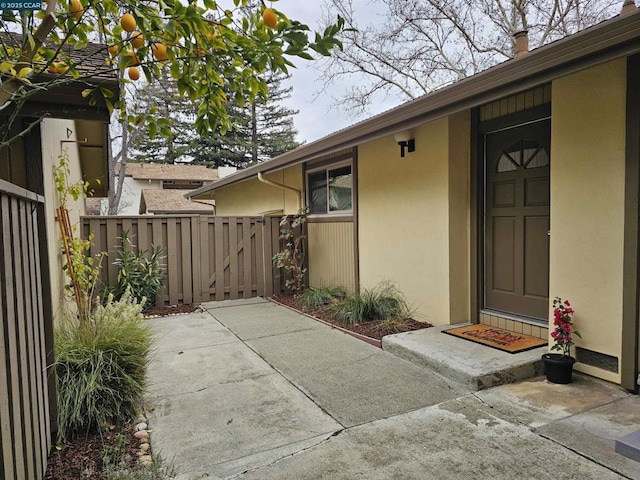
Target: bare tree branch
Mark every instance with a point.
(423, 45)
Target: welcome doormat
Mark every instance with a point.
(497, 338)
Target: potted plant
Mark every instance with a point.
(559, 366)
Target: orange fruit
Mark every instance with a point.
(134, 73)
(113, 49)
(75, 8)
(159, 51)
(58, 67)
(137, 40)
(133, 58)
(270, 18)
(128, 22)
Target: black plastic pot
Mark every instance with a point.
(558, 367)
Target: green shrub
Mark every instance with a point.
(318, 297)
(382, 302)
(139, 271)
(101, 366)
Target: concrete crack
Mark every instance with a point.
(586, 457)
(512, 419)
(301, 450)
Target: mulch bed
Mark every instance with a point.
(82, 457)
(372, 329)
(164, 310)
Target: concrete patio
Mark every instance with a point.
(249, 389)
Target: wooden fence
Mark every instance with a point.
(207, 258)
(26, 338)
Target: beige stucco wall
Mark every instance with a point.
(407, 230)
(331, 254)
(253, 197)
(53, 131)
(587, 199)
(132, 192)
(459, 219)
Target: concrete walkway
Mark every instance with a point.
(252, 390)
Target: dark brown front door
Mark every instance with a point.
(516, 266)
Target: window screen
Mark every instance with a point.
(318, 192)
(340, 189)
(330, 190)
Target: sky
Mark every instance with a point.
(316, 118)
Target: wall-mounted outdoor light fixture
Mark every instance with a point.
(406, 141)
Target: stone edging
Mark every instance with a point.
(142, 435)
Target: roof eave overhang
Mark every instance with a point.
(613, 39)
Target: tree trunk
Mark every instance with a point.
(115, 190)
(254, 134)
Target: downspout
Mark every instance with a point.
(284, 187)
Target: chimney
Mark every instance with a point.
(522, 43)
(629, 6)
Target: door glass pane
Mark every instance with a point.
(539, 158)
(340, 186)
(506, 164)
(318, 192)
(510, 159)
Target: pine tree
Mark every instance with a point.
(177, 134)
(272, 130)
(261, 130)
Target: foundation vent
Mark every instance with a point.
(597, 359)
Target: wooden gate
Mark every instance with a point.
(26, 337)
(207, 257)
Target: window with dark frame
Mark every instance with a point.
(330, 190)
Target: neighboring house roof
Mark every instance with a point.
(172, 201)
(66, 100)
(90, 59)
(162, 171)
(615, 38)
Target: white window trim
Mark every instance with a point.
(331, 166)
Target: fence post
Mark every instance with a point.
(205, 286)
(267, 264)
(196, 268)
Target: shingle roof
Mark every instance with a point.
(172, 201)
(90, 60)
(162, 171)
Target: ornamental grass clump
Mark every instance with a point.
(382, 302)
(319, 297)
(563, 327)
(101, 366)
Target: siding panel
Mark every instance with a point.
(331, 254)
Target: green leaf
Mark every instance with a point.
(7, 67)
(109, 105)
(25, 72)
